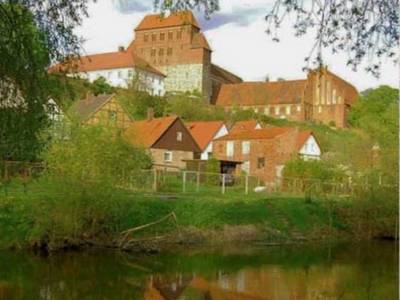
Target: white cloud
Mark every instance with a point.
(240, 46)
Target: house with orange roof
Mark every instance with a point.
(322, 97)
(204, 132)
(168, 140)
(103, 109)
(264, 152)
(245, 125)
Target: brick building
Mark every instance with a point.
(264, 152)
(176, 46)
(168, 140)
(323, 97)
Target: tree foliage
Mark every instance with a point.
(362, 29)
(33, 33)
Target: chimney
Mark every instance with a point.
(150, 113)
(121, 48)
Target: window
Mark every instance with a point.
(245, 147)
(162, 36)
(179, 34)
(169, 51)
(167, 156)
(109, 74)
(256, 110)
(298, 108)
(130, 73)
(260, 163)
(161, 52)
(278, 110)
(288, 110)
(179, 136)
(266, 111)
(320, 109)
(153, 37)
(112, 115)
(153, 52)
(146, 37)
(170, 35)
(119, 74)
(229, 148)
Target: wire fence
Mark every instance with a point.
(184, 182)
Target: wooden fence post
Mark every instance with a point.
(155, 180)
(223, 183)
(247, 184)
(184, 181)
(198, 182)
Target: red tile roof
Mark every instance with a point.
(200, 41)
(173, 20)
(255, 134)
(147, 132)
(107, 61)
(243, 126)
(217, 71)
(204, 131)
(261, 93)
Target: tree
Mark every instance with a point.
(33, 33)
(361, 29)
(100, 86)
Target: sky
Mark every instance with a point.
(237, 36)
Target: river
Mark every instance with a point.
(256, 272)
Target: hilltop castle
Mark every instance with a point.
(171, 54)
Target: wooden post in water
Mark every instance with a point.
(223, 183)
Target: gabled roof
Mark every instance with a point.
(200, 41)
(261, 93)
(224, 74)
(85, 108)
(204, 131)
(175, 19)
(106, 61)
(243, 126)
(147, 132)
(255, 134)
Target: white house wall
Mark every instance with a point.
(310, 149)
(121, 77)
(221, 132)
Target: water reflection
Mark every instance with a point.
(363, 271)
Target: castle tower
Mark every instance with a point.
(175, 45)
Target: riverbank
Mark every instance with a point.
(52, 219)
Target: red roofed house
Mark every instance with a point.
(323, 97)
(204, 132)
(168, 140)
(244, 126)
(170, 54)
(264, 152)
